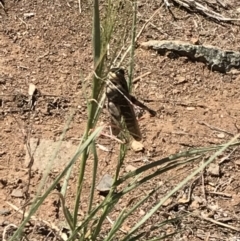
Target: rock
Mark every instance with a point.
(31, 89)
(214, 208)
(5, 212)
(17, 193)
(183, 200)
(167, 202)
(214, 169)
(28, 15)
(194, 205)
(137, 146)
(190, 108)
(105, 183)
(235, 200)
(195, 41)
(103, 148)
(43, 153)
(180, 80)
(141, 212)
(237, 162)
(130, 168)
(221, 135)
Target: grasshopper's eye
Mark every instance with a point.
(120, 72)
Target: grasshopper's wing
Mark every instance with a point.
(131, 122)
(115, 114)
(120, 100)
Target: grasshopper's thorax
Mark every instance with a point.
(116, 84)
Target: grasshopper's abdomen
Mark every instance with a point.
(130, 120)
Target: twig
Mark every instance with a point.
(42, 95)
(110, 221)
(31, 156)
(51, 225)
(214, 128)
(116, 58)
(2, 5)
(207, 236)
(227, 157)
(191, 190)
(222, 185)
(24, 22)
(42, 56)
(28, 203)
(221, 224)
(236, 126)
(14, 111)
(221, 194)
(203, 185)
(80, 6)
(141, 76)
(113, 138)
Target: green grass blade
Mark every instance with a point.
(169, 159)
(96, 33)
(131, 64)
(96, 90)
(109, 199)
(94, 175)
(157, 173)
(115, 226)
(66, 212)
(156, 207)
(39, 200)
(122, 217)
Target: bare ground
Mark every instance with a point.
(52, 49)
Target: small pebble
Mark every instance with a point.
(17, 193)
(137, 146)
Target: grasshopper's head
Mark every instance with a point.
(116, 74)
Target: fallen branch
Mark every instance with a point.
(215, 58)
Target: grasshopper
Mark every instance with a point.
(120, 103)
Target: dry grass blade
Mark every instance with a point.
(139, 34)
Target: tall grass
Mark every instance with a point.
(107, 27)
